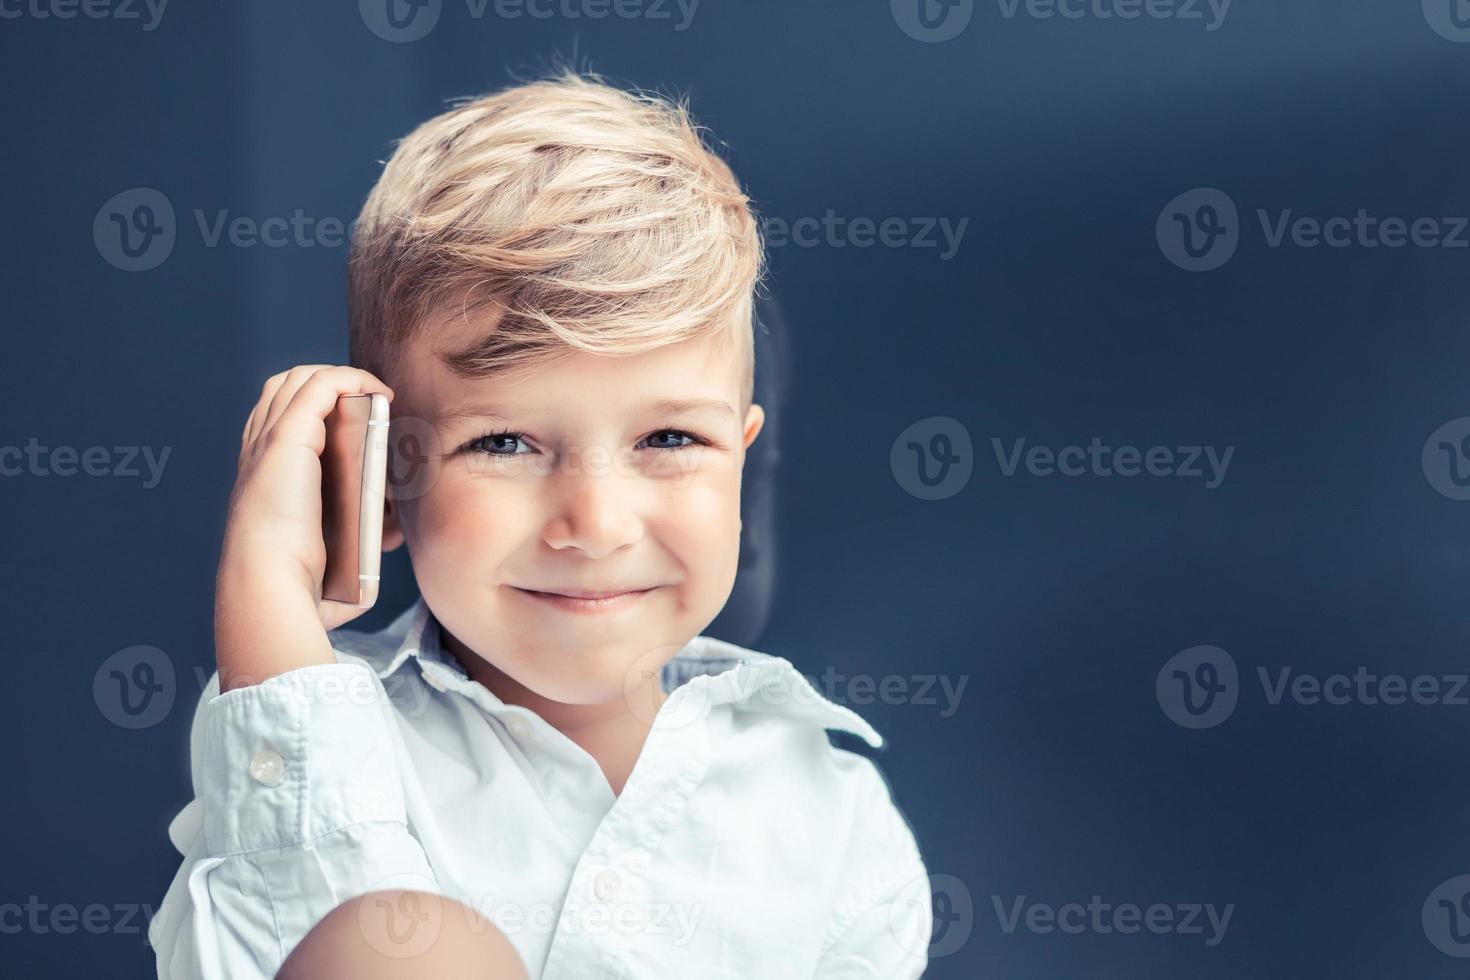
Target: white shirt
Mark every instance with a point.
(744, 843)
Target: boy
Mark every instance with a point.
(542, 768)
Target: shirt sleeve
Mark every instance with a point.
(882, 929)
(298, 807)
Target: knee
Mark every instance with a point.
(397, 935)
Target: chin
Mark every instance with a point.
(580, 690)
(585, 678)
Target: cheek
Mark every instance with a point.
(702, 519)
(466, 522)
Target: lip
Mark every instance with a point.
(588, 603)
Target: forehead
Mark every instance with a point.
(706, 367)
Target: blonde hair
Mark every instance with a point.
(588, 217)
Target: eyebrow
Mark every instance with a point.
(663, 406)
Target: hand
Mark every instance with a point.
(269, 613)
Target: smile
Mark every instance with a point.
(574, 604)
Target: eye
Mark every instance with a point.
(694, 440)
(504, 443)
(495, 444)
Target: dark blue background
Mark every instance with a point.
(1060, 599)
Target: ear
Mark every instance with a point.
(392, 526)
(755, 419)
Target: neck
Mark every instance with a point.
(611, 732)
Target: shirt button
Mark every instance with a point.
(519, 728)
(606, 884)
(267, 767)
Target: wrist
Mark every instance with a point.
(265, 622)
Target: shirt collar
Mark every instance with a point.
(727, 673)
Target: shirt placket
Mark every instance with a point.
(606, 909)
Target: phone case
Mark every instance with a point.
(354, 477)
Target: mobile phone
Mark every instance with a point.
(354, 467)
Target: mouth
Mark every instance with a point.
(587, 602)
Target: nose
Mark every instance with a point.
(595, 508)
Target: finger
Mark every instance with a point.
(256, 422)
(303, 418)
(247, 439)
(290, 384)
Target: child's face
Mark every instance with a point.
(587, 492)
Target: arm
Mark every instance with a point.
(882, 928)
(887, 937)
(269, 614)
(271, 847)
(298, 799)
